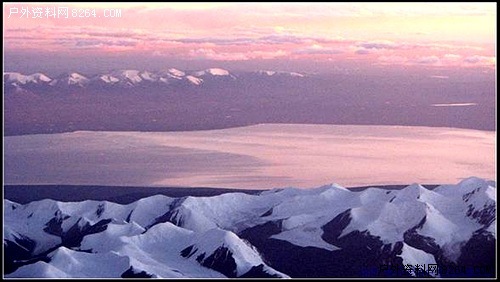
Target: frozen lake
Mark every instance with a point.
(260, 156)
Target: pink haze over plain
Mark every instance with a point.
(260, 156)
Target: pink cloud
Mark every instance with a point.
(399, 60)
(452, 57)
(480, 60)
(362, 51)
(379, 44)
(242, 32)
(428, 60)
(210, 54)
(316, 49)
(446, 60)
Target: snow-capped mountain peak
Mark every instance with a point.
(212, 71)
(108, 78)
(148, 76)
(76, 76)
(38, 78)
(129, 77)
(19, 80)
(15, 77)
(73, 78)
(217, 71)
(267, 72)
(176, 72)
(279, 73)
(194, 80)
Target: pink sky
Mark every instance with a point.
(405, 34)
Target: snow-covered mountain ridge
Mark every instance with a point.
(325, 232)
(131, 78)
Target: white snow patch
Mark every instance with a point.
(108, 78)
(15, 77)
(39, 269)
(194, 80)
(83, 265)
(267, 72)
(145, 75)
(212, 71)
(176, 72)
(131, 75)
(296, 74)
(38, 77)
(76, 79)
(413, 257)
(305, 237)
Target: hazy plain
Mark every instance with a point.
(260, 156)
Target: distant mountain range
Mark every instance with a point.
(128, 78)
(449, 231)
(173, 99)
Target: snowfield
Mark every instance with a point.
(242, 235)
